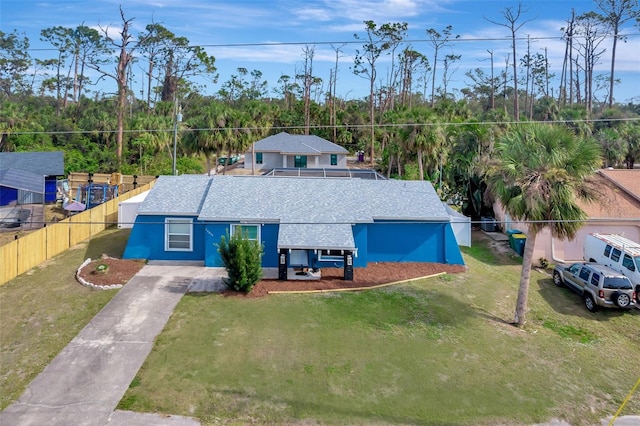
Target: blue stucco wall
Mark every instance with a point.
(146, 241)
(268, 236)
(375, 242)
(410, 242)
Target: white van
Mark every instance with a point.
(617, 252)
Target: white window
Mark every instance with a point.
(331, 255)
(250, 232)
(178, 234)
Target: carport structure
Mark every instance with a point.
(29, 177)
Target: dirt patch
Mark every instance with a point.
(114, 272)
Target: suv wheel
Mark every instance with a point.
(557, 279)
(590, 303)
(621, 300)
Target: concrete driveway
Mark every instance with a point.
(85, 382)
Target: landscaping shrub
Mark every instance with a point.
(242, 258)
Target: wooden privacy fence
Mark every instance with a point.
(29, 251)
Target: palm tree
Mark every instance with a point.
(540, 172)
(208, 134)
(424, 136)
(261, 119)
(11, 119)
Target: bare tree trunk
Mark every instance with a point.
(512, 17)
(546, 72)
(332, 91)
(506, 68)
(372, 121)
(516, 102)
(308, 82)
(525, 277)
(573, 15)
(493, 87)
(433, 78)
(528, 78)
(121, 77)
(613, 63)
(149, 81)
(420, 165)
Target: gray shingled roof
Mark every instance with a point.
(20, 179)
(285, 143)
(316, 236)
(319, 200)
(312, 212)
(49, 163)
(176, 195)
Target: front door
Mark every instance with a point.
(300, 161)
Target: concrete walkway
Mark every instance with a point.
(85, 382)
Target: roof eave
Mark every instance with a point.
(413, 219)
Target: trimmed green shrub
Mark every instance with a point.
(242, 260)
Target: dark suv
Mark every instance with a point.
(599, 286)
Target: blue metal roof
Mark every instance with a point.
(49, 163)
(23, 180)
(284, 143)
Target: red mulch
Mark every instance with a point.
(373, 274)
(120, 271)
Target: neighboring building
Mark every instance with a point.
(301, 151)
(301, 222)
(615, 211)
(29, 177)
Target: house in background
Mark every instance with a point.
(615, 211)
(29, 177)
(301, 222)
(300, 151)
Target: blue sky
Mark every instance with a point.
(223, 25)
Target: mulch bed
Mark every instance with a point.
(120, 271)
(374, 274)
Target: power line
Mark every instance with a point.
(267, 221)
(408, 41)
(321, 127)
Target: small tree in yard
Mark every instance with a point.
(242, 258)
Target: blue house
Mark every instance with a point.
(301, 222)
(29, 177)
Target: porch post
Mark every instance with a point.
(348, 266)
(283, 261)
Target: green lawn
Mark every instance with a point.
(438, 351)
(43, 309)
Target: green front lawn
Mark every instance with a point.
(44, 308)
(438, 351)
